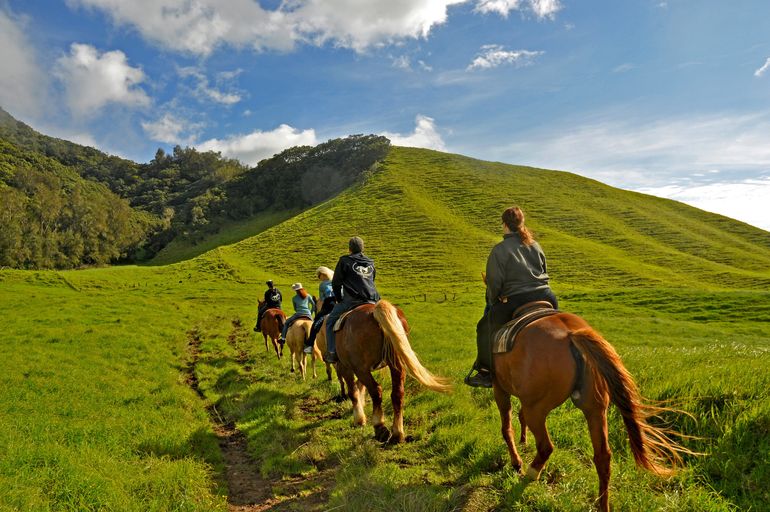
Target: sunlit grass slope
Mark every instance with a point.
(95, 413)
(430, 218)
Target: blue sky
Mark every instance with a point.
(667, 97)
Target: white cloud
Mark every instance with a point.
(23, 83)
(673, 155)
(761, 71)
(545, 8)
(92, 80)
(171, 129)
(203, 89)
(623, 68)
(633, 153)
(199, 26)
(258, 145)
(494, 55)
(541, 8)
(745, 200)
(425, 135)
(402, 62)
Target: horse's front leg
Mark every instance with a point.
(503, 400)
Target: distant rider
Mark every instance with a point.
(516, 274)
(326, 298)
(272, 300)
(304, 305)
(353, 285)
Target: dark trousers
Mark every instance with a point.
(331, 319)
(498, 315)
(326, 308)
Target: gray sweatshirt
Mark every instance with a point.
(514, 268)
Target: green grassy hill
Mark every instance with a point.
(430, 218)
(98, 412)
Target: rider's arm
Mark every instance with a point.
(495, 276)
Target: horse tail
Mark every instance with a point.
(652, 447)
(387, 316)
(281, 320)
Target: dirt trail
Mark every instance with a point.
(247, 490)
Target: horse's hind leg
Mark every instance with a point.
(381, 432)
(503, 400)
(595, 411)
(535, 418)
(523, 426)
(397, 377)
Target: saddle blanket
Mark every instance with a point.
(505, 338)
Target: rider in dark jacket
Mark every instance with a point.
(354, 282)
(516, 274)
(273, 299)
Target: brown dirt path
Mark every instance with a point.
(247, 490)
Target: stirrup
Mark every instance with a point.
(331, 357)
(482, 379)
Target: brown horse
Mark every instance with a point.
(374, 336)
(271, 325)
(542, 372)
(295, 340)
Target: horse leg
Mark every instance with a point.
(356, 398)
(503, 400)
(523, 424)
(267, 348)
(381, 432)
(535, 418)
(397, 378)
(594, 409)
(341, 396)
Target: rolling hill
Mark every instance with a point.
(100, 414)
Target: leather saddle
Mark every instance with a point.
(504, 339)
(341, 320)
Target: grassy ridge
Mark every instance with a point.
(96, 414)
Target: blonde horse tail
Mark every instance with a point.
(652, 447)
(386, 315)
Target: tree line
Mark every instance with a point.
(63, 205)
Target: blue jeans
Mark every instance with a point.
(332, 318)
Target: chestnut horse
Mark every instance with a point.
(271, 325)
(542, 371)
(374, 336)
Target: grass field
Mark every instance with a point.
(96, 410)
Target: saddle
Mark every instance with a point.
(505, 337)
(341, 320)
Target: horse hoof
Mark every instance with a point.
(396, 439)
(292, 370)
(381, 433)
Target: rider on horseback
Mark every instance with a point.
(303, 308)
(326, 297)
(273, 299)
(516, 274)
(353, 285)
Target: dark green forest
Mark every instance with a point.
(63, 205)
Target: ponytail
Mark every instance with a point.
(513, 217)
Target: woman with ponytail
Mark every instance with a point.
(516, 274)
